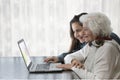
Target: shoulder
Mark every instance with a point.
(111, 44)
(109, 47)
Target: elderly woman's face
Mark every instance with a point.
(88, 35)
(78, 33)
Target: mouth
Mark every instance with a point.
(85, 36)
(80, 38)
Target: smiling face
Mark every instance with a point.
(88, 34)
(77, 30)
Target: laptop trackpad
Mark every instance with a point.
(53, 66)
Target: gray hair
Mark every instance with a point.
(98, 23)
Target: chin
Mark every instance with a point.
(87, 41)
(82, 41)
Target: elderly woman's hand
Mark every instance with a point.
(69, 66)
(74, 63)
(77, 63)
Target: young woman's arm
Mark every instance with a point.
(115, 37)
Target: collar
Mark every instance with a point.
(103, 38)
(99, 41)
(96, 43)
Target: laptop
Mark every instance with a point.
(35, 67)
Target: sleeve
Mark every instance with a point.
(61, 57)
(79, 55)
(115, 37)
(83, 73)
(103, 67)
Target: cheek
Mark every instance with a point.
(86, 33)
(89, 33)
(74, 35)
(91, 36)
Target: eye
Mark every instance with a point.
(79, 30)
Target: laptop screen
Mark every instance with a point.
(24, 52)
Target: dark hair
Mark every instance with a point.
(74, 41)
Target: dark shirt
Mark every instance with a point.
(115, 37)
(81, 45)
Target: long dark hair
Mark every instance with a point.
(74, 41)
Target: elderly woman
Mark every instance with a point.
(101, 55)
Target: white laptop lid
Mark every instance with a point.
(24, 52)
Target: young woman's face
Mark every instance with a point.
(88, 35)
(78, 33)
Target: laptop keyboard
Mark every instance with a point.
(42, 67)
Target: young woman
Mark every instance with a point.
(101, 55)
(76, 38)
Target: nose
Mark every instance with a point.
(81, 33)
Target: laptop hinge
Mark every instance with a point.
(29, 65)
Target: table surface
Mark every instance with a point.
(14, 68)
